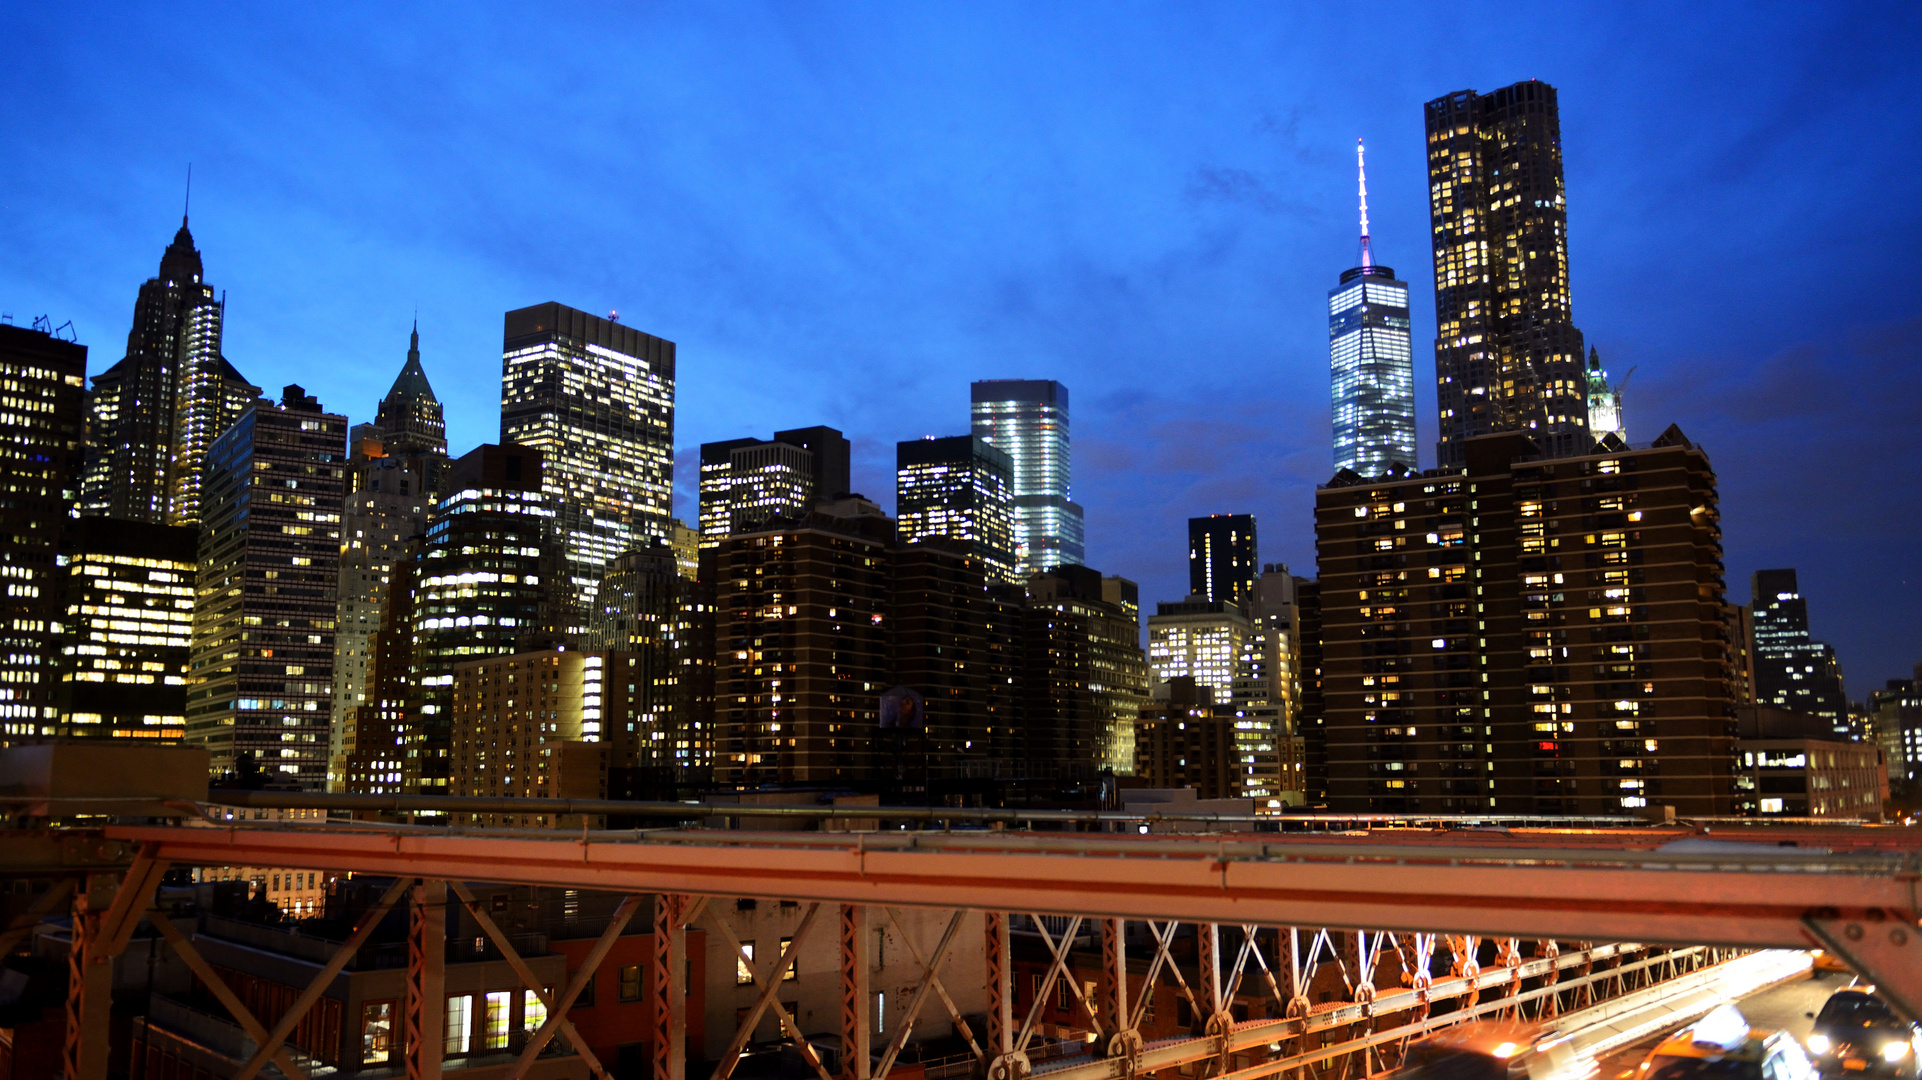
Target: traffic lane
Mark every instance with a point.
(1778, 1008)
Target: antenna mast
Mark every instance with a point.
(1361, 170)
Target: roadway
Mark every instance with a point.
(1779, 1008)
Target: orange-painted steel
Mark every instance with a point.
(1743, 895)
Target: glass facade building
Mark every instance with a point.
(1222, 563)
(127, 629)
(1205, 640)
(960, 488)
(596, 399)
(1792, 670)
(1507, 354)
(1372, 371)
(1027, 419)
(747, 483)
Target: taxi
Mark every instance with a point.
(1722, 1046)
(1495, 1050)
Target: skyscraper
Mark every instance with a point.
(596, 399)
(409, 420)
(263, 640)
(44, 378)
(1200, 639)
(1604, 401)
(960, 488)
(1027, 419)
(127, 632)
(1793, 670)
(1221, 558)
(1371, 362)
(484, 586)
(746, 483)
(1507, 354)
(153, 415)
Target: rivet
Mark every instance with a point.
(1853, 932)
(1899, 936)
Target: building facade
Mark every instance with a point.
(746, 483)
(960, 488)
(1223, 561)
(1895, 726)
(1183, 740)
(44, 379)
(1537, 634)
(1793, 671)
(127, 597)
(596, 399)
(1808, 773)
(269, 563)
(485, 580)
(1081, 674)
(1204, 640)
(637, 613)
(1027, 419)
(1507, 354)
(153, 416)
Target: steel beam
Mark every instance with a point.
(526, 974)
(857, 1004)
(222, 993)
(1883, 946)
(424, 1004)
(89, 985)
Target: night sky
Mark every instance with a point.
(844, 214)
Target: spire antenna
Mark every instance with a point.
(188, 204)
(1361, 169)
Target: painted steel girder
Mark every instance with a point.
(1752, 900)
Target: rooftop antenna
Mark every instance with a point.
(1361, 169)
(188, 204)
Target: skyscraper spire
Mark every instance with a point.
(1361, 168)
(188, 203)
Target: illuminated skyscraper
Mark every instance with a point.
(1507, 354)
(1201, 639)
(960, 488)
(1027, 419)
(44, 378)
(596, 399)
(128, 593)
(153, 415)
(1605, 401)
(1371, 363)
(1221, 558)
(263, 641)
(746, 483)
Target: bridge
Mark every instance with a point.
(1578, 913)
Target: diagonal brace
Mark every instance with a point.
(920, 994)
(731, 1057)
(230, 1001)
(524, 973)
(557, 1015)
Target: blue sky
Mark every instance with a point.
(844, 213)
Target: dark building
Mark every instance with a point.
(44, 380)
(1183, 740)
(269, 565)
(960, 488)
(153, 416)
(1537, 634)
(637, 614)
(1507, 354)
(1792, 670)
(127, 595)
(374, 737)
(1313, 722)
(1222, 563)
(1081, 672)
(485, 584)
(409, 420)
(746, 483)
(1795, 765)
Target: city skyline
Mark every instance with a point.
(1760, 398)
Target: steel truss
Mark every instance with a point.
(1268, 919)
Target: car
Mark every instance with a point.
(1722, 1046)
(1824, 960)
(1857, 1034)
(1494, 1050)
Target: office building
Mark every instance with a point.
(1507, 354)
(1537, 634)
(1311, 718)
(485, 584)
(685, 540)
(1371, 362)
(409, 420)
(960, 488)
(371, 758)
(1266, 700)
(1895, 726)
(1201, 639)
(1027, 419)
(43, 378)
(386, 510)
(1794, 765)
(1792, 670)
(746, 483)
(153, 415)
(596, 400)
(126, 591)
(1081, 673)
(637, 613)
(263, 640)
(1222, 559)
(1184, 740)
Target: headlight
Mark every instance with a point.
(1894, 1051)
(1818, 1044)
